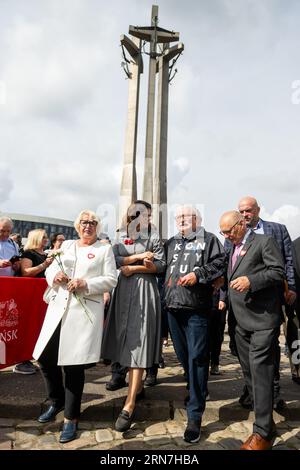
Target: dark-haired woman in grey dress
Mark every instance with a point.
(132, 333)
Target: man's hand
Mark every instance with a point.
(60, 278)
(189, 279)
(222, 306)
(4, 263)
(290, 297)
(126, 270)
(76, 284)
(241, 284)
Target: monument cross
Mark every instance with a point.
(159, 62)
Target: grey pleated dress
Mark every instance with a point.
(132, 331)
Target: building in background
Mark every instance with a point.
(23, 223)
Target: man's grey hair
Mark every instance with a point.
(6, 220)
(189, 210)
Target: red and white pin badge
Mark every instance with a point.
(243, 252)
(91, 256)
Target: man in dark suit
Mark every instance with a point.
(255, 279)
(249, 209)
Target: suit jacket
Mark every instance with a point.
(260, 260)
(281, 235)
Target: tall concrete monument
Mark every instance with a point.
(162, 59)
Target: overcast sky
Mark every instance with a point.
(234, 116)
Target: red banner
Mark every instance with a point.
(22, 312)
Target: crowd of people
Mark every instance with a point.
(119, 302)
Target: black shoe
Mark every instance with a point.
(69, 432)
(115, 384)
(50, 414)
(296, 379)
(150, 380)
(192, 432)
(124, 421)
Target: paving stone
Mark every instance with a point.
(239, 428)
(102, 424)
(78, 444)
(7, 423)
(85, 425)
(155, 429)
(86, 434)
(56, 446)
(46, 439)
(155, 441)
(29, 424)
(179, 412)
(289, 434)
(205, 446)
(25, 445)
(168, 447)
(281, 447)
(104, 446)
(6, 445)
(132, 433)
(135, 444)
(293, 424)
(293, 443)
(180, 443)
(104, 435)
(54, 426)
(174, 427)
(6, 434)
(28, 435)
(230, 443)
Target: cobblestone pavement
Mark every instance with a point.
(160, 418)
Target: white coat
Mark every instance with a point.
(80, 340)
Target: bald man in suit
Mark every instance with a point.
(255, 277)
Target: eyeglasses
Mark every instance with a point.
(85, 223)
(227, 232)
(181, 217)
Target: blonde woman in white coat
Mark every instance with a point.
(72, 330)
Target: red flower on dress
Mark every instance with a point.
(128, 241)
